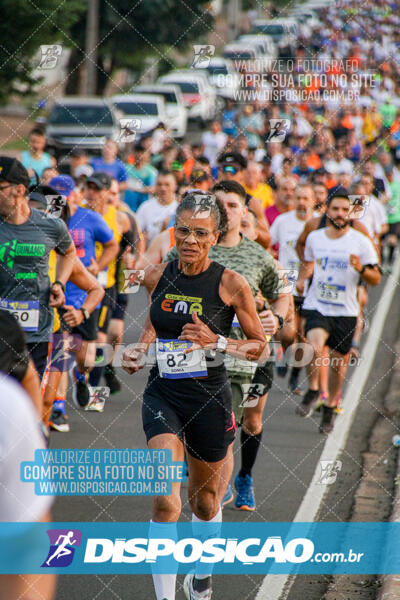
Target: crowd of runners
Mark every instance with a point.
(257, 251)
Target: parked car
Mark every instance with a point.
(174, 105)
(238, 52)
(284, 33)
(80, 123)
(223, 77)
(268, 47)
(148, 109)
(198, 95)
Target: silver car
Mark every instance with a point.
(81, 123)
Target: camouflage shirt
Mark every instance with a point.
(255, 264)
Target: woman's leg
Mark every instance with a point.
(165, 513)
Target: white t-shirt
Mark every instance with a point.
(19, 438)
(374, 216)
(285, 231)
(151, 215)
(333, 291)
(213, 144)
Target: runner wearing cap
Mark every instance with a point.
(26, 240)
(97, 199)
(231, 166)
(337, 256)
(87, 228)
(73, 320)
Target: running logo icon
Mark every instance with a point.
(54, 206)
(329, 471)
(252, 392)
(202, 56)
(279, 128)
(50, 56)
(133, 279)
(358, 205)
(98, 397)
(128, 129)
(63, 543)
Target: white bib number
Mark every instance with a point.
(26, 313)
(102, 278)
(173, 363)
(330, 293)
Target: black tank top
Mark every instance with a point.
(177, 296)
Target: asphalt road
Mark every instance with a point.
(290, 450)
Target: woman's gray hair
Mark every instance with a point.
(205, 204)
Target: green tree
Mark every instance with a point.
(24, 26)
(128, 31)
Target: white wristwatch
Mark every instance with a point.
(222, 343)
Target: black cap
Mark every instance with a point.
(101, 180)
(39, 192)
(13, 171)
(233, 158)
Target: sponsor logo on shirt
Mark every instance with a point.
(9, 250)
(182, 304)
(332, 263)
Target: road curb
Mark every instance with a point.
(390, 589)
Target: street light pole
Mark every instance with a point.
(92, 39)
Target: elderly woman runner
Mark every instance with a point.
(187, 403)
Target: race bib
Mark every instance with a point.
(173, 363)
(330, 293)
(26, 313)
(234, 364)
(102, 278)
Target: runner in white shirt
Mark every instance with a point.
(336, 256)
(284, 231)
(213, 142)
(154, 214)
(374, 217)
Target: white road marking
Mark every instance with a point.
(273, 585)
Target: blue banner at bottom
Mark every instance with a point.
(250, 548)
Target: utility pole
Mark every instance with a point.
(92, 40)
(233, 18)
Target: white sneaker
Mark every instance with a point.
(191, 594)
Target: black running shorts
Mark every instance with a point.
(204, 421)
(340, 329)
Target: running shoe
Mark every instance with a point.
(80, 389)
(192, 594)
(328, 419)
(228, 497)
(111, 379)
(294, 383)
(307, 405)
(339, 407)
(58, 421)
(245, 499)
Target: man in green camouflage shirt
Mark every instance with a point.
(250, 384)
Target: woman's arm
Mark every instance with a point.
(235, 292)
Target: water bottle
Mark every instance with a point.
(396, 440)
